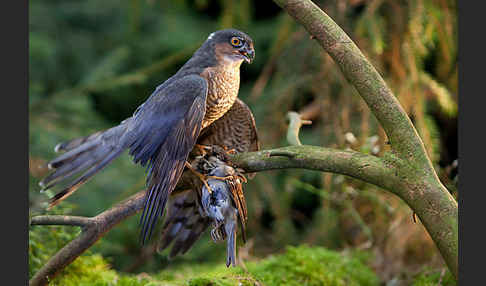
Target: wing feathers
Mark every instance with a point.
(166, 151)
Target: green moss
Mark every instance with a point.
(314, 266)
(432, 278)
(45, 241)
(94, 270)
(302, 265)
(88, 269)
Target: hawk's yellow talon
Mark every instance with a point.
(201, 177)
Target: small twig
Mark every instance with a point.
(62, 220)
(295, 124)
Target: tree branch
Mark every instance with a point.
(361, 73)
(93, 229)
(419, 185)
(361, 166)
(62, 220)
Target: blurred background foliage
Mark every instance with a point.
(93, 62)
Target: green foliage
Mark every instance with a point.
(305, 265)
(432, 278)
(88, 269)
(301, 265)
(94, 270)
(298, 265)
(45, 241)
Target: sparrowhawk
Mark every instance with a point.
(163, 130)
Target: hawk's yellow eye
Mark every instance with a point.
(236, 42)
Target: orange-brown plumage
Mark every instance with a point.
(223, 84)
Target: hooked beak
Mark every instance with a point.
(248, 53)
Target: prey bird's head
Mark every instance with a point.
(232, 45)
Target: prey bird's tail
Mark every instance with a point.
(88, 154)
(230, 228)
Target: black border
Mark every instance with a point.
(471, 126)
(14, 138)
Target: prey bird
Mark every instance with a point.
(164, 129)
(222, 206)
(190, 212)
(192, 209)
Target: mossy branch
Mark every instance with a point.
(92, 229)
(419, 185)
(361, 166)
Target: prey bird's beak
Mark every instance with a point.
(248, 53)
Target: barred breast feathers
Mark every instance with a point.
(223, 86)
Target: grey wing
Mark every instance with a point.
(161, 134)
(236, 129)
(184, 223)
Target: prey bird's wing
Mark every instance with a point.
(236, 191)
(161, 134)
(236, 129)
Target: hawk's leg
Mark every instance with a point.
(201, 177)
(220, 178)
(242, 177)
(230, 151)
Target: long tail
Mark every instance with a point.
(89, 154)
(230, 228)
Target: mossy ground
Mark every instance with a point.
(302, 265)
(434, 277)
(297, 265)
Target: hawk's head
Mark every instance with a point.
(232, 45)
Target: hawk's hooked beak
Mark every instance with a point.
(248, 53)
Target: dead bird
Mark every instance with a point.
(219, 206)
(222, 207)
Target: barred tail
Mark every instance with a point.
(89, 154)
